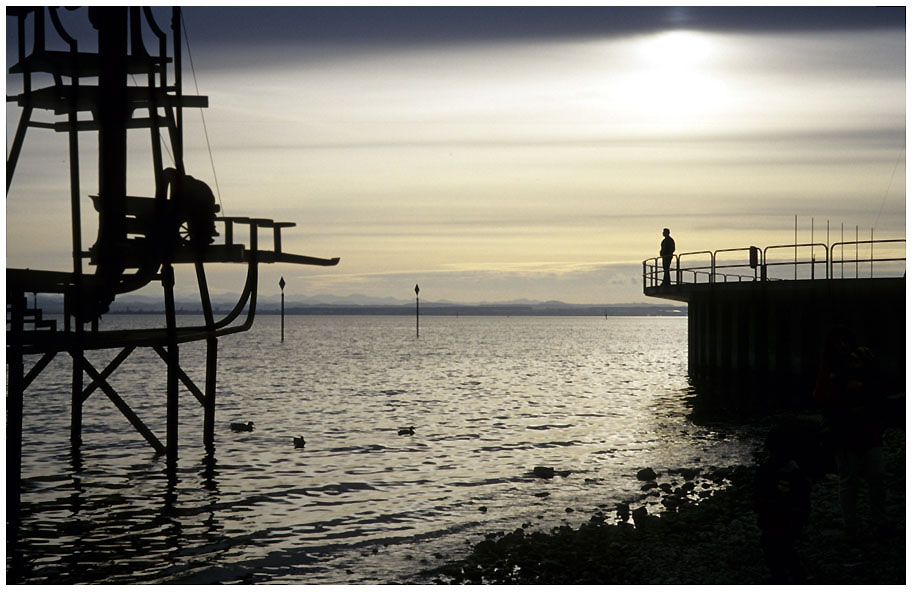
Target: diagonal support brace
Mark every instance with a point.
(188, 382)
(120, 403)
(112, 366)
(36, 370)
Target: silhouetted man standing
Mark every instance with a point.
(667, 248)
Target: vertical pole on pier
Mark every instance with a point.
(15, 387)
(828, 246)
(856, 251)
(168, 276)
(76, 386)
(282, 309)
(171, 379)
(209, 396)
(417, 310)
(842, 251)
(829, 272)
(178, 139)
(795, 241)
(209, 393)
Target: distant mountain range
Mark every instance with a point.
(363, 305)
(512, 308)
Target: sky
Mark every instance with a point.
(502, 153)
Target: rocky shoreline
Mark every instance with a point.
(707, 534)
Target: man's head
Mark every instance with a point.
(666, 232)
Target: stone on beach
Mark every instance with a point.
(647, 475)
(623, 510)
(639, 516)
(714, 541)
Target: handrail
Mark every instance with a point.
(695, 270)
(795, 262)
(758, 259)
(748, 250)
(857, 259)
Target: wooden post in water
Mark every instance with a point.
(172, 362)
(209, 397)
(282, 309)
(417, 310)
(15, 386)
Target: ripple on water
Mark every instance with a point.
(490, 400)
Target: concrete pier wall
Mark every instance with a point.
(765, 338)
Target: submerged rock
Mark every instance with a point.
(689, 474)
(647, 475)
(712, 541)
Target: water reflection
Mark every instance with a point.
(714, 402)
(209, 473)
(490, 400)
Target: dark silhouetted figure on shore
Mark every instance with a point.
(667, 248)
(782, 504)
(854, 407)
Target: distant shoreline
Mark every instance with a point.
(532, 309)
(448, 311)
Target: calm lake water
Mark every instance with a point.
(490, 399)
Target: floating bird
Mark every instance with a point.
(407, 431)
(299, 442)
(242, 427)
(544, 472)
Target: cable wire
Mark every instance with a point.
(162, 141)
(889, 187)
(202, 118)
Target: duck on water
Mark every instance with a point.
(242, 426)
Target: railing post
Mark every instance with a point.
(758, 260)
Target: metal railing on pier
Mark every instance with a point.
(869, 259)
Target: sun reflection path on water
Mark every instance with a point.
(490, 400)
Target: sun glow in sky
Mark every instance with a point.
(496, 167)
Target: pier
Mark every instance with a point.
(130, 79)
(758, 317)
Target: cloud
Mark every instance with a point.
(372, 26)
(523, 156)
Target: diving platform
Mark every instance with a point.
(758, 317)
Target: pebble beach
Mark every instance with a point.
(707, 534)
